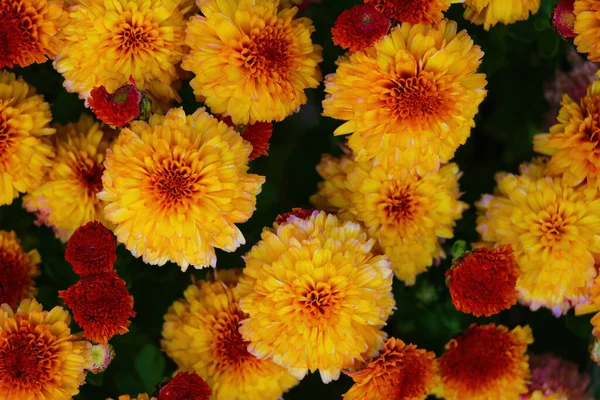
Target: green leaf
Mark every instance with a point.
(150, 366)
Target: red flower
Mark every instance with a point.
(563, 19)
(91, 249)
(359, 27)
(296, 212)
(101, 305)
(413, 11)
(121, 107)
(185, 386)
(483, 282)
(257, 134)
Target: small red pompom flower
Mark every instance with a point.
(359, 27)
(121, 107)
(91, 249)
(101, 305)
(296, 212)
(483, 281)
(563, 19)
(257, 134)
(185, 386)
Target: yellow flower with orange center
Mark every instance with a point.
(413, 95)
(68, 197)
(572, 142)
(406, 212)
(17, 270)
(486, 362)
(24, 119)
(552, 228)
(251, 61)
(39, 357)
(316, 296)
(201, 334)
(30, 31)
(176, 187)
(587, 22)
(107, 42)
(491, 12)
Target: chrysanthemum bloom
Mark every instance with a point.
(414, 11)
(553, 378)
(121, 107)
(257, 134)
(101, 305)
(251, 62)
(592, 305)
(413, 94)
(563, 18)
(67, 198)
(24, 118)
(176, 187)
(400, 372)
(572, 142)
(201, 334)
(17, 270)
(296, 212)
(406, 212)
(185, 386)
(109, 42)
(30, 31)
(359, 27)
(491, 12)
(91, 249)
(101, 357)
(485, 362)
(552, 228)
(39, 357)
(483, 282)
(316, 283)
(587, 22)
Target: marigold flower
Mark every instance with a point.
(400, 372)
(485, 362)
(553, 378)
(68, 198)
(251, 62)
(101, 305)
(553, 237)
(39, 357)
(414, 11)
(359, 27)
(563, 18)
(24, 118)
(572, 141)
(490, 12)
(17, 270)
(257, 134)
(316, 283)
(189, 169)
(587, 22)
(121, 107)
(406, 212)
(483, 282)
(30, 31)
(303, 213)
(185, 386)
(107, 43)
(91, 249)
(201, 334)
(413, 95)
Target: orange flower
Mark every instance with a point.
(413, 11)
(257, 134)
(359, 27)
(401, 372)
(91, 249)
(302, 213)
(17, 270)
(483, 282)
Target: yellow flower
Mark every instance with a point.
(490, 12)
(553, 230)
(201, 334)
(67, 198)
(107, 42)
(17, 270)
(39, 357)
(587, 22)
(24, 118)
(572, 142)
(412, 96)
(486, 362)
(316, 296)
(407, 213)
(176, 187)
(251, 62)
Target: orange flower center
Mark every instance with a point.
(230, 349)
(400, 204)
(14, 277)
(268, 53)
(7, 136)
(552, 226)
(174, 182)
(90, 176)
(318, 300)
(27, 358)
(135, 36)
(18, 34)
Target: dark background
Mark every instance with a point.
(518, 60)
